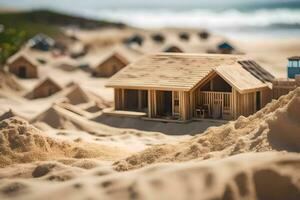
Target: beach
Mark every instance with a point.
(71, 142)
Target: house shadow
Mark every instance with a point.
(169, 128)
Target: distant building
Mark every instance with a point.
(283, 86)
(41, 42)
(184, 36)
(23, 66)
(135, 39)
(181, 87)
(158, 37)
(204, 35)
(293, 66)
(43, 89)
(109, 65)
(225, 48)
(173, 49)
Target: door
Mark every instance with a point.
(131, 100)
(144, 100)
(167, 103)
(22, 72)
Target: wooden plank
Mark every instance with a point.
(123, 99)
(149, 104)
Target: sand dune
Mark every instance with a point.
(38, 165)
(21, 143)
(275, 127)
(246, 176)
(9, 82)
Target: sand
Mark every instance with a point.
(64, 147)
(274, 128)
(250, 158)
(22, 143)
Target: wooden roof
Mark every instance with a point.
(294, 58)
(173, 71)
(239, 78)
(47, 81)
(23, 55)
(257, 71)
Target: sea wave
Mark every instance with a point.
(288, 18)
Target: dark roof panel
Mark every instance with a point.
(257, 71)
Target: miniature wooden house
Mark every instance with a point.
(187, 86)
(23, 66)
(109, 65)
(43, 89)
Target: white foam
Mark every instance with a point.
(198, 17)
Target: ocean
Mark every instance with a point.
(257, 17)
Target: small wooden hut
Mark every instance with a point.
(45, 88)
(173, 49)
(184, 36)
(23, 66)
(225, 48)
(135, 39)
(158, 38)
(109, 65)
(190, 86)
(204, 35)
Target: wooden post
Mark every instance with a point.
(123, 99)
(155, 102)
(149, 104)
(140, 99)
(234, 103)
(191, 104)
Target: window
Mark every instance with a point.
(295, 63)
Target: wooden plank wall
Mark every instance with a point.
(245, 104)
(266, 96)
(151, 103)
(184, 105)
(118, 99)
(279, 91)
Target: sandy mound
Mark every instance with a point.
(246, 176)
(275, 127)
(8, 82)
(21, 142)
(60, 118)
(78, 95)
(10, 113)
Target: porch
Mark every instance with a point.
(156, 104)
(213, 105)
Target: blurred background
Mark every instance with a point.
(278, 17)
(266, 30)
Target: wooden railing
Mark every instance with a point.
(225, 99)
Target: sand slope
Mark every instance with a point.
(9, 82)
(246, 176)
(21, 143)
(275, 127)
